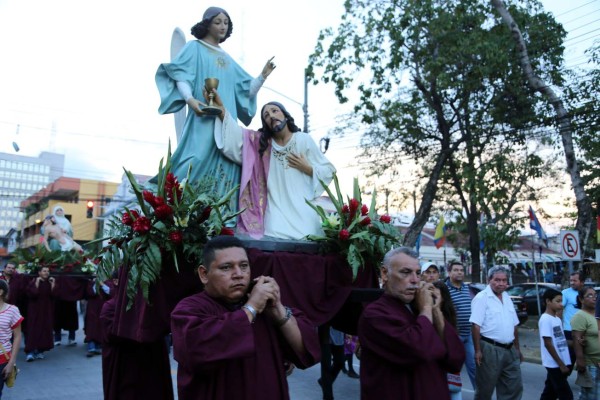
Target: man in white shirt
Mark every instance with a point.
(496, 340)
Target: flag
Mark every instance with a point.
(534, 224)
(440, 234)
(418, 244)
(598, 229)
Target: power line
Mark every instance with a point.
(576, 8)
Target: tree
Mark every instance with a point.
(585, 223)
(435, 82)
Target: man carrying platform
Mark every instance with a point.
(231, 340)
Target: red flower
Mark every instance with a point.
(149, 197)
(364, 210)
(344, 235)
(353, 206)
(176, 237)
(172, 187)
(345, 209)
(365, 221)
(127, 219)
(386, 219)
(163, 212)
(227, 231)
(158, 201)
(142, 225)
(205, 214)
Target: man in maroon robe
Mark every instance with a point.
(40, 312)
(407, 346)
(231, 341)
(17, 285)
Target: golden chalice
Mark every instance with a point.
(209, 85)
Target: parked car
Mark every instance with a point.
(528, 292)
(520, 306)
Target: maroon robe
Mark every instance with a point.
(68, 291)
(17, 294)
(130, 369)
(40, 314)
(96, 297)
(222, 356)
(402, 355)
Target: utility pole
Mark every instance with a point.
(305, 105)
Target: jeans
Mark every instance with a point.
(593, 392)
(470, 358)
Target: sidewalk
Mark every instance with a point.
(529, 340)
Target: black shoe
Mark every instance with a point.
(353, 374)
(344, 370)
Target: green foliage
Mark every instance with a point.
(57, 261)
(440, 82)
(354, 230)
(170, 222)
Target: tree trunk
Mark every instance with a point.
(585, 223)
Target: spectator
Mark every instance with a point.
(430, 272)
(350, 343)
(232, 340)
(461, 299)
(40, 314)
(336, 364)
(449, 313)
(10, 334)
(569, 298)
(555, 351)
(496, 340)
(587, 345)
(407, 345)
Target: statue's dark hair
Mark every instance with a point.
(201, 28)
(267, 133)
(219, 243)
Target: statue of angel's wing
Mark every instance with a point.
(177, 43)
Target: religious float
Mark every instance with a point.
(156, 245)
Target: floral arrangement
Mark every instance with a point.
(355, 230)
(59, 262)
(171, 220)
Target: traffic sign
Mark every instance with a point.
(569, 245)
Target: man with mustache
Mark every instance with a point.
(407, 346)
(231, 341)
(281, 170)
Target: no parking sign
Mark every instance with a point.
(569, 245)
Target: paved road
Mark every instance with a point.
(67, 374)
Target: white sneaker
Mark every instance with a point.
(72, 342)
(57, 343)
(29, 358)
(39, 356)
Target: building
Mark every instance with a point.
(73, 195)
(20, 177)
(8, 244)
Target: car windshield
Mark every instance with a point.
(515, 291)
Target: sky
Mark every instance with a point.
(77, 77)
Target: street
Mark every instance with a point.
(67, 373)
